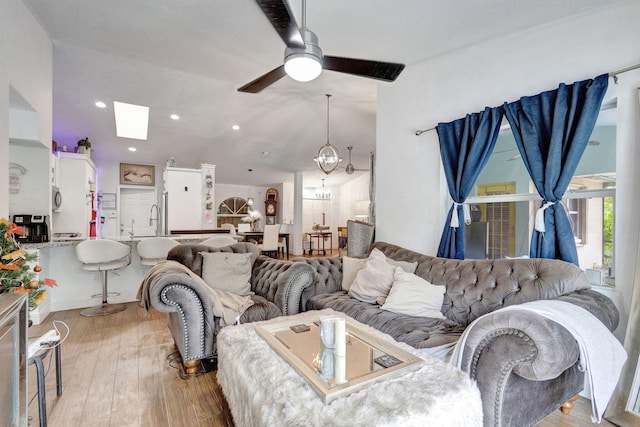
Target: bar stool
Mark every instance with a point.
(103, 256)
(219, 241)
(153, 250)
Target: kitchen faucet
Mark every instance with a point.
(151, 218)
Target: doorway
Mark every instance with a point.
(138, 213)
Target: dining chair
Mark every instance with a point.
(269, 245)
(230, 227)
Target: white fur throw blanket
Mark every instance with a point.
(262, 389)
(601, 354)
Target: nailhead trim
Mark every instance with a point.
(287, 295)
(183, 320)
(506, 370)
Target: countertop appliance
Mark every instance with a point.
(35, 227)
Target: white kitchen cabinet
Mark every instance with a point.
(76, 179)
(186, 192)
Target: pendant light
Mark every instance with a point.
(328, 156)
(350, 169)
(323, 193)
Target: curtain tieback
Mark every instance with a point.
(539, 224)
(455, 223)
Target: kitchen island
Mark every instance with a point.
(76, 286)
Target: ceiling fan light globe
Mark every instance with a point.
(302, 67)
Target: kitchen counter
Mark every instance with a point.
(76, 286)
(72, 241)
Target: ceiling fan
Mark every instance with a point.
(303, 58)
(349, 169)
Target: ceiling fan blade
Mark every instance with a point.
(387, 71)
(279, 14)
(263, 81)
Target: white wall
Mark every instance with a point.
(34, 193)
(356, 189)
(25, 65)
(409, 177)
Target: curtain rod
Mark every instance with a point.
(613, 74)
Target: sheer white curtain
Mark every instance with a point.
(628, 244)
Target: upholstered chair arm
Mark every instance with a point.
(533, 346)
(328, 277)
(281, 282)
(191, 318)
(512, 353)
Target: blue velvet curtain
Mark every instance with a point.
(552, 130)
(465, 147)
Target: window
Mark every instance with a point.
(231, 210)
(508, 200)
(577, 213)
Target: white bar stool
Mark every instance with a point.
(153, 250)
(219, 241)
(103, 255)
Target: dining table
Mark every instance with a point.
(258, 235)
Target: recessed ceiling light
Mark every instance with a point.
(132, 121)
(235, 127)
(175, 117)
(133, 149)
(265, 153)
(101, 104)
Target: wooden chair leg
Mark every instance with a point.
(191, 367)
(568, 405)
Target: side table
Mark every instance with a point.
(37, 359)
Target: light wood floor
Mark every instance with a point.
(116, 373)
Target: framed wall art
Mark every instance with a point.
(133, 174)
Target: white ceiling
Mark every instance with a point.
(188, 57)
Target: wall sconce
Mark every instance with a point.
(250, 201)
(361, 209)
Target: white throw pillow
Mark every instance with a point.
(350, 268)
(227, 271)
(414, 296)
(409, 267)
(374, 280)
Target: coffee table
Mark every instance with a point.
(367, 359)
(263, 388)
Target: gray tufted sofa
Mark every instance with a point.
(525, 365)
(278, 286)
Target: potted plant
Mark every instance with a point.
(84, 146)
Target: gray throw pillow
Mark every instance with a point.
(227, 271)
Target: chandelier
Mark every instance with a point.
(323, 192)
(328, 156)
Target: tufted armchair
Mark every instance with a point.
(277, 287)
(526, 366)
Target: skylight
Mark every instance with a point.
(132, 121)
